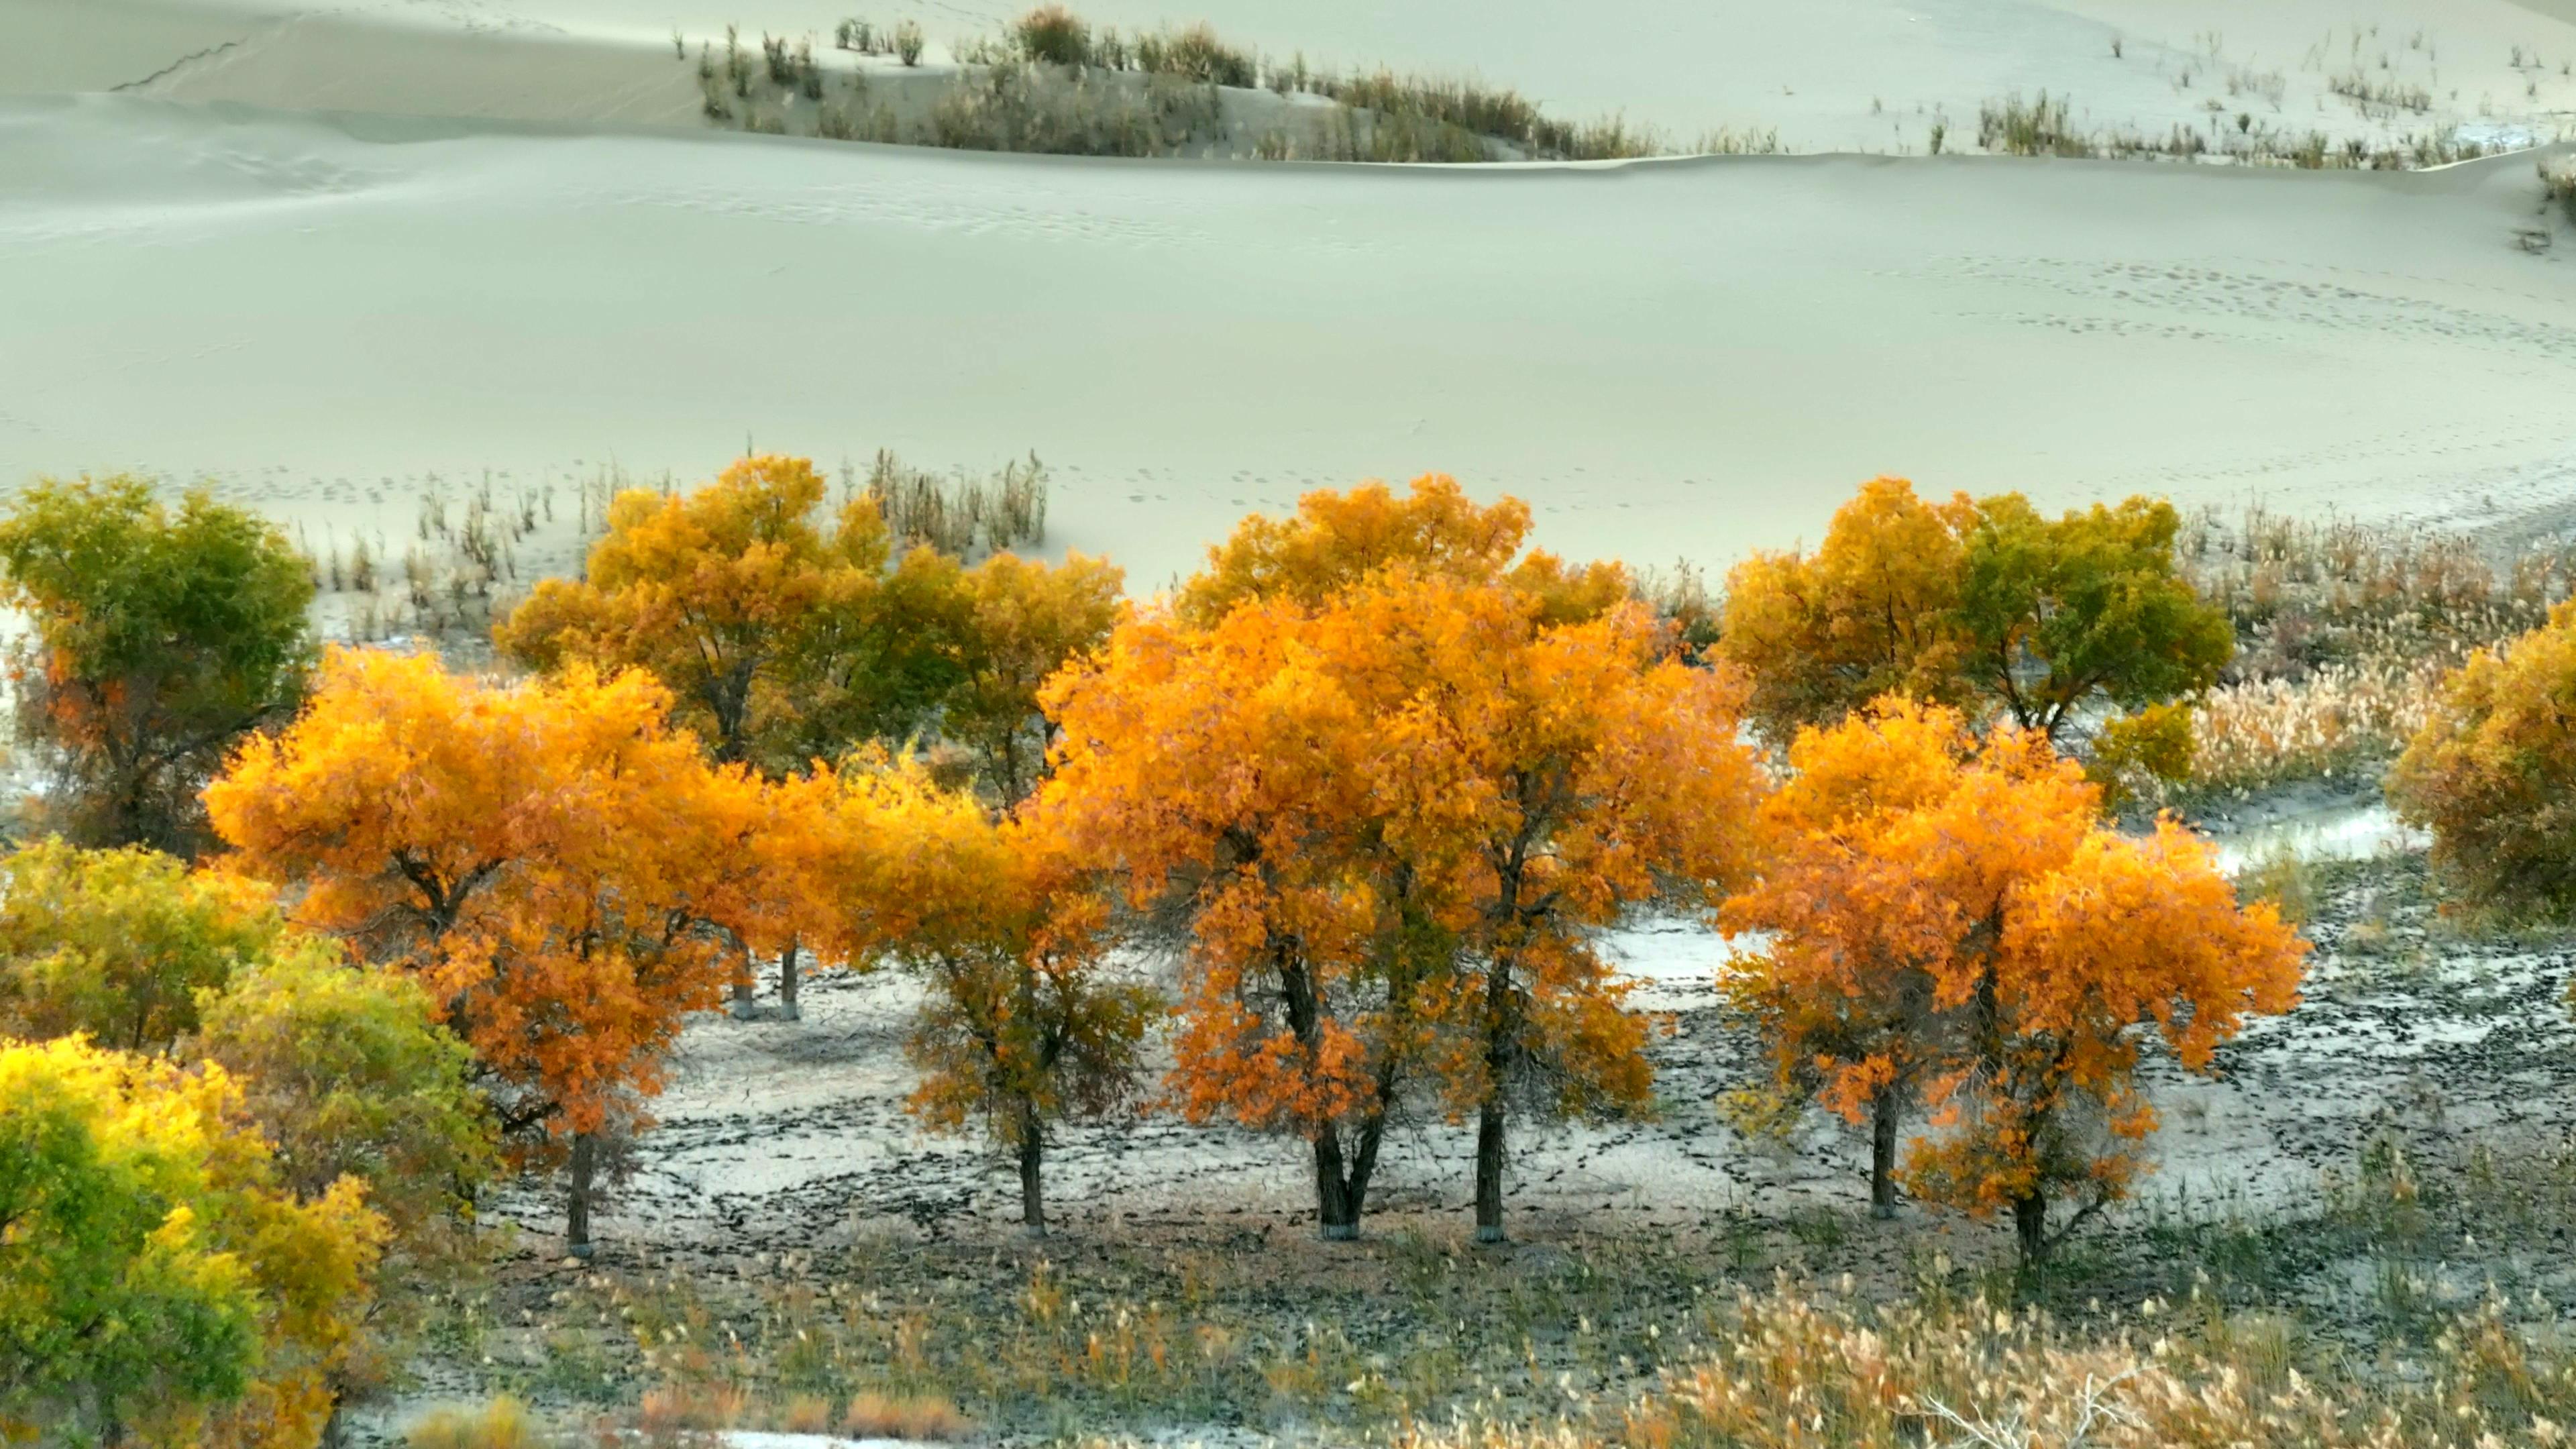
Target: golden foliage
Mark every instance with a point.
(543, 857)
(2490, 771)
(1950, 917)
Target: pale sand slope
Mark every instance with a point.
(1829, 74)
(1672, 358)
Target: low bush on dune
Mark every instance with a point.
(1053, 34)
(2558, 184)
(998, 105)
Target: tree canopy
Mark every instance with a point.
(159, 638)
(1948, 917)
(1984, 605)
(2492, 769)
(545, 857)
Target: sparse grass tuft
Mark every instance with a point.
(926, 1418)
(500, 1424)
(954, 513)
(2040, 127)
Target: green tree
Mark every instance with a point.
(158, 1284)
(160, 638)
(1981, 604)
(348, 1073)
(2088, 608)
(121, 944)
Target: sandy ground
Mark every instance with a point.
(1686, 358)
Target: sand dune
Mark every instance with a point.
(318, 311)
(1830, 75)
(1669, 358)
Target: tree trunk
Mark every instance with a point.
(2030, 1225)
(1337, 1209)
(1882, 1155)
(746, 985)
(1489, 1172)
(787, 982)
(585, 1165)
(1032, 1166)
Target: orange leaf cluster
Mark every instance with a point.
(546, 857)
(1396, 777)
(1949, 916)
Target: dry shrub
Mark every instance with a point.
(1053, 34)
(806, 1414)
(693, 1407)
(953, 513)
(925, 1417)
(2558, 184)
(1195, 54)
(1799, 1374)
(1012, 107)
(500, 1424)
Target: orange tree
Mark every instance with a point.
(158, 637)
(2490, 772)
(1982, 604)
(1221, 773)
(1025, 1024)
(1534, 781)
(1949, 918)
(546, 858)
(1394, 773)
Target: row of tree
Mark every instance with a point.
(1374, 784)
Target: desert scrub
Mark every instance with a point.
(1976, 1373)
(954, 513)
(2344, 633)
(1014, 107)
(2558, 184)
(1053, 34)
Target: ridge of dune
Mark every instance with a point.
(1828, 75)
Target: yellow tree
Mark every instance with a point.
(1951, 918)
(1025, 1023)
(1533, 782)
(546, 858)
(1337, 539)
(158, 1285)
(1019, 623)
(1868, 613)
(726, 594)
(2492, 769)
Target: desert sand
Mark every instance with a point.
(316, 311)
